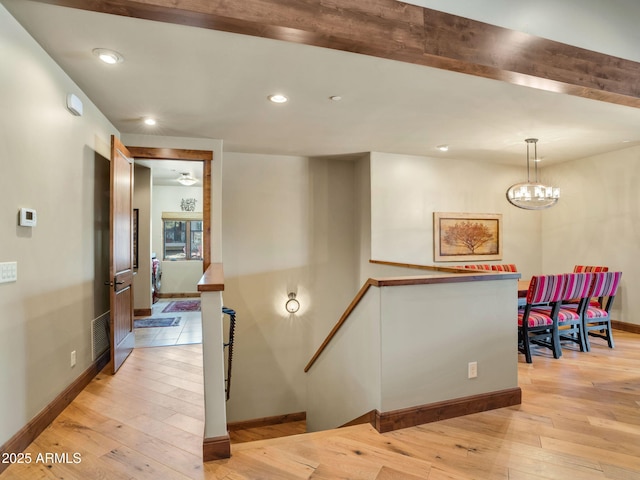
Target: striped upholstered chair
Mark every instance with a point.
(506, 267)
(597, 319)
(589, 268)
(537, 319)
(478, 267)
(596, 302)
(569, 317)
(577, 288)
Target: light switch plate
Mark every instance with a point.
(8, 272)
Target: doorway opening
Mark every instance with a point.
(172, 316)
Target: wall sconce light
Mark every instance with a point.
(292, 304)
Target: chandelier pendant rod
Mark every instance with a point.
(535, 159)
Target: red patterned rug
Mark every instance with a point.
(182, 306)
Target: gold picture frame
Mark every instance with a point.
(464, 237)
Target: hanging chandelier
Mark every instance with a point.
(533, 195)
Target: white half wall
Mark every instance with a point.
(431, 332)
(409, 346)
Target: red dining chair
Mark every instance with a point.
(597, 319)
(537, 319)
(589, 268)
(577, 288)
(596, 302)
(508, 267)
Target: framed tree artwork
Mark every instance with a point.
(463, 237)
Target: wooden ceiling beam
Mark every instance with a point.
(398, 31)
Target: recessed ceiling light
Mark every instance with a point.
(443, 148)
(108, 56)
(278, 98)
(335, 98)
(150, 121)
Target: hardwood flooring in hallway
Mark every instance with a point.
(580, 419)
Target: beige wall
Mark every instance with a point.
(289, 225)
(406, 190)
(49, 161)
(597, 221)
(142, 201)
(410, 345)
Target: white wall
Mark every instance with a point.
(345, 381)
(289, 225)
(49, 161)
(406, 190)
(406, 346)
(177, 276)
(597, 221)
(431, 332)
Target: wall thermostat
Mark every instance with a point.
(27, 217)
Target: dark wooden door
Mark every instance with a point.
(121, 254)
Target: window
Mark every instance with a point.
(182, 233)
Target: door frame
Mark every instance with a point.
(204, 156)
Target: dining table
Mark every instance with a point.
(523, 287)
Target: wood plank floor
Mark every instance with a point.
(580, 419)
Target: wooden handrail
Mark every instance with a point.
(470, 276)
(337, 326)
(433, 268)
(213, 279)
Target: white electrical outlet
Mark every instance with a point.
(73, 358)
(8, 272)
(473, 369)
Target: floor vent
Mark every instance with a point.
(99, 335)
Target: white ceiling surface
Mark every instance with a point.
(167, 172)
(203, 83)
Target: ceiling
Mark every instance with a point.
(167, 172)
(204, 83)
